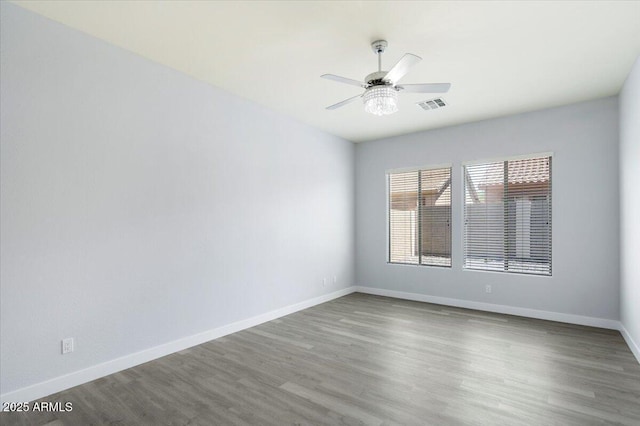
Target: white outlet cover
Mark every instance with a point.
(67, 345)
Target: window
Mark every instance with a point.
(420, 217)
(507, 216)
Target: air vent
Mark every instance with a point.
(432, 104)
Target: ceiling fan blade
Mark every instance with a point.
(343, 103)
(402, 67)
(425, 88)
(343, 80)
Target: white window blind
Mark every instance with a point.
(420, 217)
(507, 216)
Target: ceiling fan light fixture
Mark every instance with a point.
(380, 100)
(381, 88)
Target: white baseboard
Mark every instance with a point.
(635, 348)
(490, 307)
(40, 390)
(511, 310)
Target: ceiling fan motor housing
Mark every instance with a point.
(377, 79)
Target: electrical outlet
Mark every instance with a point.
(67, 345)
(487, 288)
(335, 279)
(324, 282)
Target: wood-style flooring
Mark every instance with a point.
(373, 360)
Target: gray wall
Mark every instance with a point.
(630, 203)
(584, 142)
(140, 206)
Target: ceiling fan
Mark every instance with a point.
(381, 87)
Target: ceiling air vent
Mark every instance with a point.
(432, 104)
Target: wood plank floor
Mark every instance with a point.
(365, 359)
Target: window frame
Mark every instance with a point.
(462, 199)
(388, 173)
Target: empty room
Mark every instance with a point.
(320, 212)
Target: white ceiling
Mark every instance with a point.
(501, 57)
